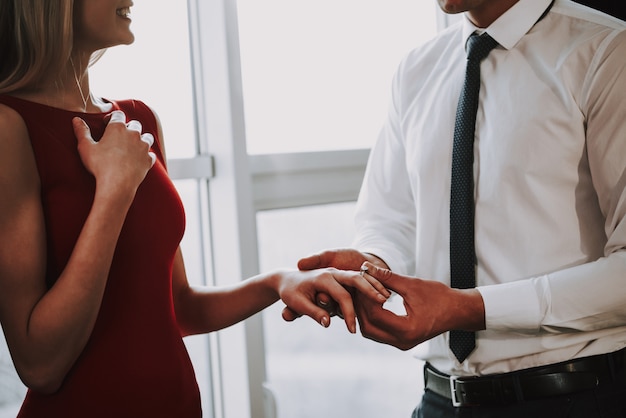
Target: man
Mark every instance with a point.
(545, 313)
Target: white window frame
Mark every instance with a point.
(236, 186)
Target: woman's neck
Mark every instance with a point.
(69, 91)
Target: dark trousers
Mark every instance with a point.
(607, 401)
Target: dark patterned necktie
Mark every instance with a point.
(462, 254)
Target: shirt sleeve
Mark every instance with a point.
(589, 296)
(385, 210)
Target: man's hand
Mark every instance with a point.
(341, 259)
(431, 309)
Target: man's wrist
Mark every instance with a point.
(470, 312)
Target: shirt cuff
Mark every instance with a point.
(512, 306)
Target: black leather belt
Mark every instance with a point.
(540, 382)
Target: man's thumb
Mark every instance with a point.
(389, 279)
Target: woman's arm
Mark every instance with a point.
(46, 330)
(205, 309)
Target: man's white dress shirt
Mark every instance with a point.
(550, 179)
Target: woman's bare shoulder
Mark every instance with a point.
(17, 162)
(12, 127)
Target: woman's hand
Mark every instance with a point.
(340, 258)
(122, 157)
(300, 291)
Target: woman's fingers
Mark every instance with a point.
(362, 283)
(339, 303)
(121, 158)
(328, 304)
(324, 293)
(289, 314)
(148, 139)
(337, 300)
(301, 304)
(134, 125)
(117, 116)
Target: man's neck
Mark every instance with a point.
(484, 15)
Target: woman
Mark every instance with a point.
(94, 298)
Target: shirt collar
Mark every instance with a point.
(509, 28)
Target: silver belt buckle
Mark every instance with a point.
(453, 392)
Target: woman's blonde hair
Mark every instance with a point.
(36, 40)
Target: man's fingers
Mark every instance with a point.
(373, 282)
(311, 262)
(377, 323)
(343, 259)
(387, 278)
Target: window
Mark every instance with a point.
(317, 74)
(316, 78)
